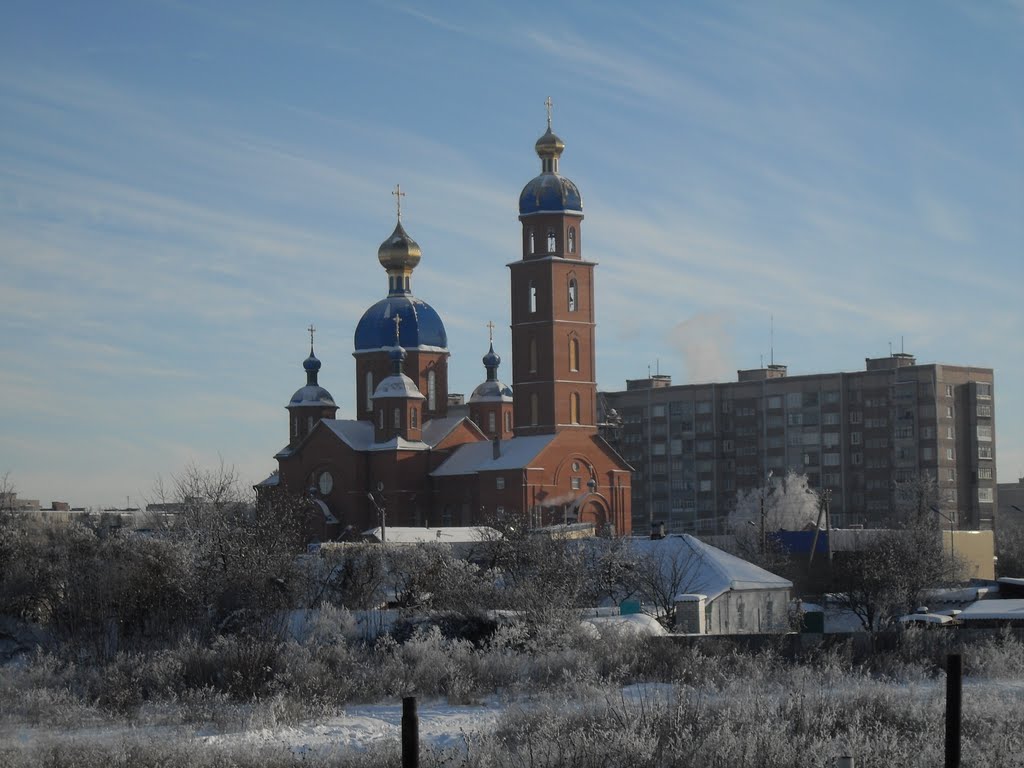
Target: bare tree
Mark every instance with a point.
(665, 569)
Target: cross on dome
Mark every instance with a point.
(548, 105)
(312, 330)
(490, 330)
(399, 194)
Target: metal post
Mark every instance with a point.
(410, 733)
(954, 680)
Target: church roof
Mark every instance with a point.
(357, 435)
(436, 430)
(549, 192)
(421, 327)
(515, 453)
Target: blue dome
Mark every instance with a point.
(549, 192)
(311, 363)
(421, 326)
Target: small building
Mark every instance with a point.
(718, 593)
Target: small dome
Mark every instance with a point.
(549, 145)
(491, 359)
(549, 192)
(399, 251)
(311, 364)
(492, 392)
(397, 385)
(311, 395)
(421, 326)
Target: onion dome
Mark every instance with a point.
(549, 192)
(492, 390)
(312, 394)
(399, 251)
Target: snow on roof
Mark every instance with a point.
(706, 569)
(636, 624)
(515, 453)
(396, 443)
(357, 435)
(448, 535)
(436, 430)
(1001, 610)
(274, 479)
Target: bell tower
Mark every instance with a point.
(553, 373)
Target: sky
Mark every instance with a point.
(185, 187)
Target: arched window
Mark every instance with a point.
(397, 416)
(534, 409)
(369, 391)
(574, 353)
(533, 355)
(414, 419)
(572, 240)
(574, 408)
(572, 294)
(431, 390)
(533, 296)
(533, 245)
(551, 241)
(380, 418)
(508, 421)
(491, 426)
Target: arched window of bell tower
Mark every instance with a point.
(369, 391)
(534, 409)
(397, 418)
(532, 288)
(573, 289)
(572, 240)
(431, 390)
(574, 353)
(552, 242)
(574, 408)
(532, 243)
(491, 426)
(533, 355)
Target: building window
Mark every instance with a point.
(984, 410)
(572, 294)
(984, 451)
(533, 355)
(431, 390)
(985, 495)
(855, 438)
(984, 473)
(949, 454)
(984, 391)
(574, 353)
(552, 243)
(499, 483)
(397, 418)
(534, 409)
(774, 402)
(856, 417)
(369, 391)
(532, 288)
(572, 240)
(508, 421)
(490, 422)
(380, 418)
(413, 419)
(949, 390)
(533, 247)
(575, 483)
(574, 408)
(985, 432)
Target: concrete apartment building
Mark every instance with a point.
(857, 434)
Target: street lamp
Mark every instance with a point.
(380, 511)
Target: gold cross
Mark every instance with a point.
(398, 322)
(490, 330)
(399, 194)
(547, 103)
(312, 330)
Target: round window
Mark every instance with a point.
(325, 482)
(575, 466)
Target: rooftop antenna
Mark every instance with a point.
(772, 337)
(890, 349)
(762, 359)
(657, 366)
(901, 344)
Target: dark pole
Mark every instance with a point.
(954, 675)
(410, 733)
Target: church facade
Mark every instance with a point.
(530, 451)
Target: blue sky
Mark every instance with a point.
(184, 187)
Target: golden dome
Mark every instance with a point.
(549, 145)
(399, 251)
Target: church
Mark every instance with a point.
(530, 451)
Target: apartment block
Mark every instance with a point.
(863, 436)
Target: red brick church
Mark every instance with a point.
(530, 448)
